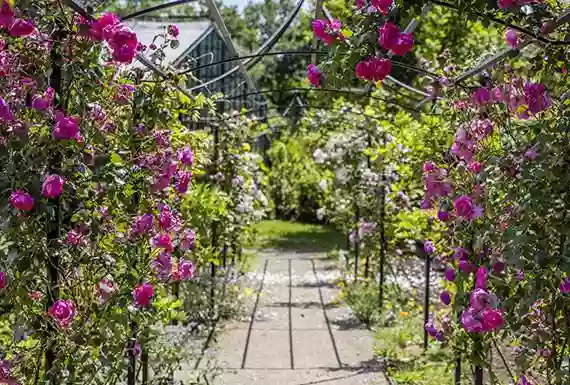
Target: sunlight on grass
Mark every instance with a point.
(298, 236)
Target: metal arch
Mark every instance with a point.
(299, 52)
(155, 8)
(264, 48)
(218, 19)
(356, 92)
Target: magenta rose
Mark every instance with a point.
(63, 312)
(142, 294)
(53, 186)
(21, 200)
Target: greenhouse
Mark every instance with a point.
(292, 192)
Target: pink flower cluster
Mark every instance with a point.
(382, 6)
(436, 181)
(482, 315)
(328, 31)
(122, 40)
(392, 39)
(16, 27)
(373, 69)
(522, 98)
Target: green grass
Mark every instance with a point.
(287, 235)
(408, 363)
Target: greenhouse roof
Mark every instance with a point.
(191, 32)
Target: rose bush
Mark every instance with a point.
(96, 169)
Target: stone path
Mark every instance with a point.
(296, 334)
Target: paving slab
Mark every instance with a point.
(274, 296)
(355, 347)
(301, 377)
(229, 349)
(272, 318)
(308, 319)
(313, 349)
(305, 297)
(268, 349)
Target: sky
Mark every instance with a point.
(240, 3)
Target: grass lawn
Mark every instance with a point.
(285, 235)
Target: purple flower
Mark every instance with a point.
(188, 240)
(186, 156)
(481, 278)
(536, 97)
(450, 274)
(498, 267)
(430, 328)
(142, 224)
(182, 181)
(465, 266)
(481, 96)
(429, 247)
(5, 111)
(512, 38)
(565, 286)
(162, 266)
(443, 216)
(481, 299)
(445, 297)
(460, 253)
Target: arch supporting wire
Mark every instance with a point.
(155, 8)
(497, 58)
(265, 47)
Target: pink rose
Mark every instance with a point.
(186, 269)
(173, 30)
(6, 15)
(102, 28)
(188, 240)
(66, 127)
(63, 311)
(22, 28)
(105, 288)
(21, 200)
(2, 280)
(142, 294)
(314, 75)
(465, 208)
(53, 186)
(162, 241)
(481, 299)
